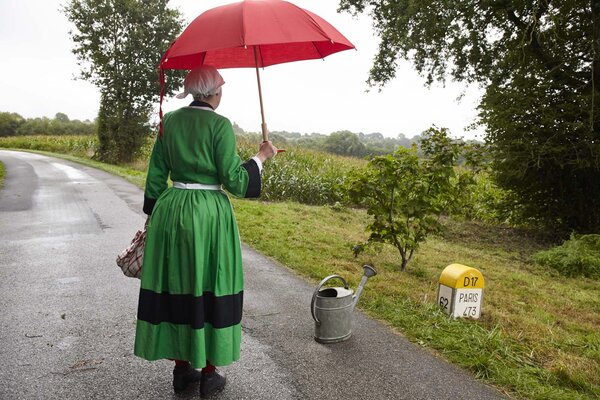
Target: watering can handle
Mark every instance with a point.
(314, 298)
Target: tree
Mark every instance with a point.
(345, 143)
(539, 62)
(10, 123)
(119, 44)
(406, 194)
(35, 126)
(62, 117)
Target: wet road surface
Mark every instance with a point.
(67, 315)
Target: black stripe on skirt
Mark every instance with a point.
(185, 309)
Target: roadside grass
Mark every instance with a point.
(2, 174)
(539, 333)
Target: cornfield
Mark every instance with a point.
(301, 175)
(81, 146)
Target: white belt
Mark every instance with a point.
(181, 185)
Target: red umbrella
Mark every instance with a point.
(253, 33)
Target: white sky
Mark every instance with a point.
(37, 71)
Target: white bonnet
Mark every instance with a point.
(202, 82)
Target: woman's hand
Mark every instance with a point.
(266, 151)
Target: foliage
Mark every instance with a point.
(478, 196)
(302, 175)
(122, 130)
(578, 256)
(345, 143)
(406, 195)
(549, 159)
(538, 62)
(119, 44)
(485, 201)
(376, 144)
(10, 123)
(78, 145)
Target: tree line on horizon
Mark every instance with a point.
(344, 143)
(13, 124)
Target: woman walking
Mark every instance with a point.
(190, 303)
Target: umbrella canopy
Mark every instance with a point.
(279, 32)
(253, 33)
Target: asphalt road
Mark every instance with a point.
(67, 314)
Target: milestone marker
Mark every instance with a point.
(460, 291)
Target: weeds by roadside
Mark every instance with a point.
(2, 174)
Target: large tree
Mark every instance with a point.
(119, 44)
(539, 62)
(345, 143)
(10, 123)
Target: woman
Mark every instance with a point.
(190, 304)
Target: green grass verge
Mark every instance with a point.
(538, 336)
(2, 174)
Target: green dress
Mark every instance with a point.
(191, 295)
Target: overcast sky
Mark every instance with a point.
(38, 69)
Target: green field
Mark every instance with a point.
(539, 334)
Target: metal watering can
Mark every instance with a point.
(332, 308)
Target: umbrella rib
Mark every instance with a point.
(317, 49)
(262, 60)
(244, 23)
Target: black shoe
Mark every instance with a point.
(183, 376)
(210, 383)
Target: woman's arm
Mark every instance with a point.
(156, 180)
(240, 179)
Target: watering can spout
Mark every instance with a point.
(369, 271)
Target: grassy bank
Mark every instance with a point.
(538, 337)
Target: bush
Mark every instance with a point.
(406, 194)
(486, 201)
(578, 256)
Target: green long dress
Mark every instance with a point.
(191, 294)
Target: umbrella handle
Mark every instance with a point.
(265, 131)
